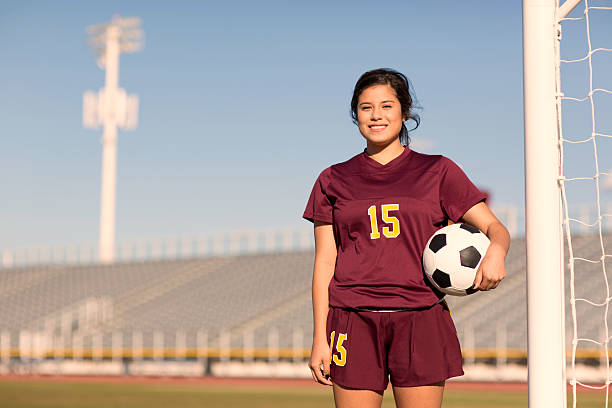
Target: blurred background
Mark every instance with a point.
(241, 106)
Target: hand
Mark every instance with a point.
(491, 270)
(320, 359)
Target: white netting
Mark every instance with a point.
(584, 101)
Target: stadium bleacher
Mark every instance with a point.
(237, 298)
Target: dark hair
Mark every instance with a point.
(401, 86)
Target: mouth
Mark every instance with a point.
(377, 128)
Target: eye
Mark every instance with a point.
(387, 106)
(365, 108)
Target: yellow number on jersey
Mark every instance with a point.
(389, 232)
(374, 224)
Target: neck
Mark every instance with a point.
(384, 154)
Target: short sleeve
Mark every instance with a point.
(319, 206)
(457, 193)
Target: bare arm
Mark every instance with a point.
(492, 269)
(324, 264)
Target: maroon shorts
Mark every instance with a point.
(415, 347)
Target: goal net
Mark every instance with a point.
(584, 120)
(567, 60)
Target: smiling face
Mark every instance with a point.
(379, 115)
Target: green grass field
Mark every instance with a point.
(41, 393)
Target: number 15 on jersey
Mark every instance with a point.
(388, 231)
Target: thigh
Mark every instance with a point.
(424, 396)
(345, 397)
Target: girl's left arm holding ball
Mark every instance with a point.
(491, 270)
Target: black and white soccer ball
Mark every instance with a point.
(452, 256)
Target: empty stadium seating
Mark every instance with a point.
(236, 298)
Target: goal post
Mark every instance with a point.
(543, 209)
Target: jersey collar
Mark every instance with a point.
(368, 161)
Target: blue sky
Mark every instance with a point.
(242, 104)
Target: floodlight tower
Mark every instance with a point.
(111, 107)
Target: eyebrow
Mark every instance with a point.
(370, 103)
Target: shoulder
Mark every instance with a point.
(438, 161)
(325, 176)
(447, 165)
(428, 162)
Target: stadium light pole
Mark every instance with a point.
(543, 216)
(113, 108)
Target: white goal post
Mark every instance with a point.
(543, 210)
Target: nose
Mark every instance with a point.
(375, 113)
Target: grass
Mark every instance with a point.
(52, 394)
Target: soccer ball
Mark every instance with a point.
(451, 258)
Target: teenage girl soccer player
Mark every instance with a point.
(373, 215)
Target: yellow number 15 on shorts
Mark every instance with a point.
(340, 357)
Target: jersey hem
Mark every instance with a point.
(315, 217)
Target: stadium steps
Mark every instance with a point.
(261, 294)
(591, 286)
(63, 286)
(239, 291)
(21, 279)
(148, 291)
(272, 317)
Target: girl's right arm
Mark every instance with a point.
(324, 264)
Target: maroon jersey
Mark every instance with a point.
(382, 217)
